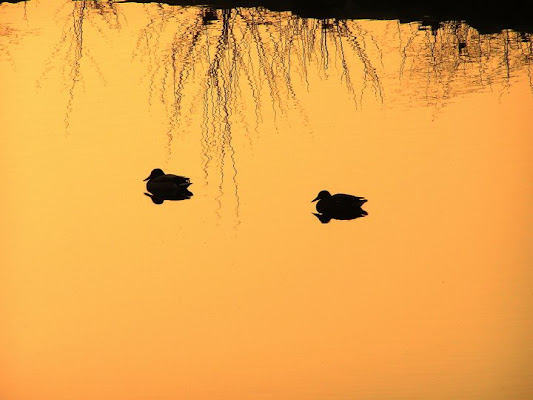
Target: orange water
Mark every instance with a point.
(241, 293)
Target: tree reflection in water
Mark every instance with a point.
(228, 61)
(10, 37)
(99, 15)
(226, 57)
(456, 59)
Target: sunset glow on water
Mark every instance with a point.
(240, 292)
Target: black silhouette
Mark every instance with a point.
(167, 187)
(177, 194)
(484, 16)
(338, 206)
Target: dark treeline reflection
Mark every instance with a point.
(248, 66)
(483, 15)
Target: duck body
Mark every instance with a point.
(158, 178)
(339, 206)
(167, 187)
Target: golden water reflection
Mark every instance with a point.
(247, 65)
(240, 292)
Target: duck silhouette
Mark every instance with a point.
(338, 206)
(167, 187)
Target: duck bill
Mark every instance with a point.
(144, 180)
(315, 199)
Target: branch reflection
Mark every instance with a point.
(92, 15)
(223, 68)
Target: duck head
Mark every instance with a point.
(155, 173)
(324, 194)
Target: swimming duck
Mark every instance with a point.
(158, 179)
(167, 186)
(339, 206)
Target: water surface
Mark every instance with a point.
(240, 292)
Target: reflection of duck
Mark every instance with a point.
(158, 197)
(339, 206)
(167, 187)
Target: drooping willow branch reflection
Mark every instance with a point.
(234, 59)
(8, 37)
(455, 60)
(223, 69)
(72, 49)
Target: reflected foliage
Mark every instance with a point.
(456, 59)
(230, 60)
(212, 69)
(10, 37)
(76, 55)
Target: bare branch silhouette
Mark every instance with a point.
(72, 49)
(242, 67)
